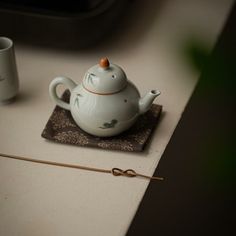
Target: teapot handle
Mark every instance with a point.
(53, 93)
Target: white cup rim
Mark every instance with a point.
(8, 42)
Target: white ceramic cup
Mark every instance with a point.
(9, 83)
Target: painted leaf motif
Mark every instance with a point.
(92, 78)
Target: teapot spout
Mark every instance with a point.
(146, 101)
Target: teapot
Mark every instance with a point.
(106, 103)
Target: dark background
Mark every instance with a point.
(197, 196)
(69, 6)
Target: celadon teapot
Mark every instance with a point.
(106, 103)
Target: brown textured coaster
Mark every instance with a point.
(61, 128)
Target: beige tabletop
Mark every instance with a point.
(45, 200)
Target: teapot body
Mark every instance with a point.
(106, 103)
(105, 115)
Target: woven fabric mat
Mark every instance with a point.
(61, 128)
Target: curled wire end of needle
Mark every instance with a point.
(127, 173)
(132, 173)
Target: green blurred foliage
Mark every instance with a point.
(196, 53)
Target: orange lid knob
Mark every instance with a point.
(104, 63)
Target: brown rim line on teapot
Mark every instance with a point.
(106, 103)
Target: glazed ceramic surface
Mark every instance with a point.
(105, 103)
(9, 84)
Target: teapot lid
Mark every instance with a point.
(105, 78)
